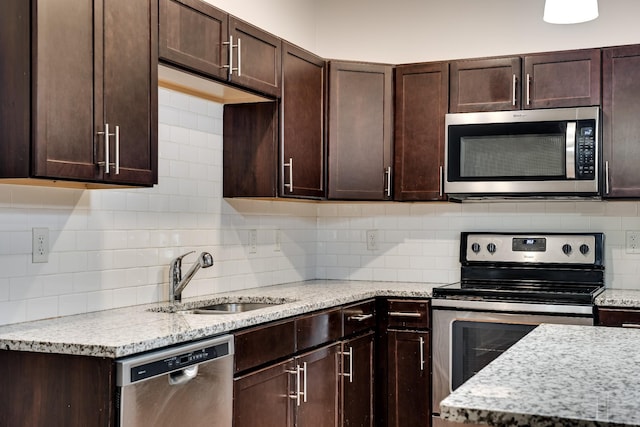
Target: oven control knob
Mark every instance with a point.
(475, 248)
(584, 249)
(567, 249)
(491, 247)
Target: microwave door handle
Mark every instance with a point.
(571, 150)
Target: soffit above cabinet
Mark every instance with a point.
(192, 84)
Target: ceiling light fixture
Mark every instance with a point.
(570, 11)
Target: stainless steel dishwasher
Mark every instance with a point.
(190, 385)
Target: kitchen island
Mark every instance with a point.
(560, 375)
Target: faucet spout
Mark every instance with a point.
(178, 283)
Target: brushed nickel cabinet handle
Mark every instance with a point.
(412, 314)
(239, 50)
(290, 166)
(230, 50)
(387, 172)
(304, 386)
(441, 181)
(606, 177)
(117, 150)
(513, 85)
(631, 325)
(296, 395)
(528, 89)
(350, 355)
(360, 317)
(421, 353)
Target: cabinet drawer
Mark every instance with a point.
(257, 346)
(619, 317)
(407, 313)
(319, 328)
(359, 317)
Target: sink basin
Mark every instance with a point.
(232, 307)
(223, 305)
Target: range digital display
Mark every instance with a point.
(529, 244)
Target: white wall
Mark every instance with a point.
(403, 31)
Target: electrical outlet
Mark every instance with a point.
(253, 241)
(40, 245)
(633, 242)
(372, 240)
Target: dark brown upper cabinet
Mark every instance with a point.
(302, 142)
(200, 38)
(82, 102)
(360, 131)
(621, 127)
(421, 102)
(546, 80)
(250, 148)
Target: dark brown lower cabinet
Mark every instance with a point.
(409, 379)
(42, 389)
(358, 381)
(262, 398)
(300, 391)
(624, 317)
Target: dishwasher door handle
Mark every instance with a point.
(183, 376)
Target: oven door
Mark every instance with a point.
(465, 341)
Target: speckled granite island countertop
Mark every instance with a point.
(125, 331)
(557, 375)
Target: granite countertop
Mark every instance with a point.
(557, 375)
(620, 298)
(125, 331)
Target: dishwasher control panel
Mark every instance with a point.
(138, 368)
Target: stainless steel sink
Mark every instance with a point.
(232, 307)
(222, 305)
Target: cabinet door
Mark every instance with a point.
(302, 163)
(130, 96)
(258, 58)
(360, 131)
(263, 398)
(485, 85)
(358, 381)
(621, 127)
(42, 389)
(409, 379)
(422, 100)
(250, 150)
(562, 79)
(15, 82)
(192, 35)
(63, 90)
(320, 385)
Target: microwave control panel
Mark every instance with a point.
(586, 150)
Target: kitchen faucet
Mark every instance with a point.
(178, 283)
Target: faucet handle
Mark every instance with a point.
(176, 267)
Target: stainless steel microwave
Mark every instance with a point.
(553, 153)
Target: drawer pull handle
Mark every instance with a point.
(360, 317)
(405, 314)
(631, 325)
(421, 353)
